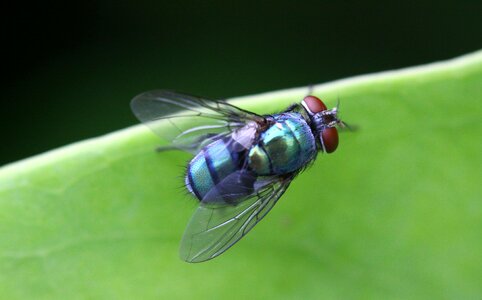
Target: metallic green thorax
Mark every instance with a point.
(286, 146)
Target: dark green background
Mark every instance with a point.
(71, 70)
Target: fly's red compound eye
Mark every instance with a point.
(313, 104)
(329, 136)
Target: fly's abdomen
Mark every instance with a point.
(286, 146)
(209, 167)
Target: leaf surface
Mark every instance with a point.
(395, 212)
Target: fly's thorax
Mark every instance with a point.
(284, 147)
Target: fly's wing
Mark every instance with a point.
(218, 224)
(190, 122)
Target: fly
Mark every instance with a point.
(243, 162)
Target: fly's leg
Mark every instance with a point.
(165, 148)
(311, 87)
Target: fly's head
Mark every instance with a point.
(325, 122)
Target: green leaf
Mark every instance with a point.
(396, 212)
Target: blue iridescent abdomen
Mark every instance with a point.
(213, 163)
(286, 146)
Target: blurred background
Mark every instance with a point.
(70, 70)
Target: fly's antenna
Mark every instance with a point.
(342, 124)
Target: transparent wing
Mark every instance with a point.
(217, 225)
(190, 122)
